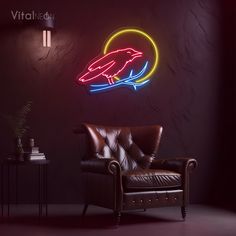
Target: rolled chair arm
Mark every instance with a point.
(101, 166)
(180, 165)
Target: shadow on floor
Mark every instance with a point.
(90, 221)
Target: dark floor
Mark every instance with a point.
(65, 220)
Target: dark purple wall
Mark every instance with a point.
(186, 95)
(227, 139)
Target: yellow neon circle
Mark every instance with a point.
(145, 35)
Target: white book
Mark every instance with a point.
(42, 157)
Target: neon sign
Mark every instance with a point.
(122, 66)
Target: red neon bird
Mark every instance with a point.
(110, 65)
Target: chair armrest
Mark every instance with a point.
(180, 165)
(101, 166)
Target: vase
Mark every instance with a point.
(19, 151)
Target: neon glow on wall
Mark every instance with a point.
(117, 67)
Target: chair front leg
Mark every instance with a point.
(183, 212)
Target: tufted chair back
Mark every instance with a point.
(133, 147)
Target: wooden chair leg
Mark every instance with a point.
(117, 215)
(84, 210)
(183, 211)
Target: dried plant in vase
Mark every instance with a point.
(18, 126)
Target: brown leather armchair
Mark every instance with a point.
(122, 171)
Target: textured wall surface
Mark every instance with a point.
(184, 96)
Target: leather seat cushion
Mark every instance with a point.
(146, 179)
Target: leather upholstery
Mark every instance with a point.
(150, 180)
(124, 144)
(101, 165)
(179, 165)
(150, 199)
(122, 170)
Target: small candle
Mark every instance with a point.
(31, 142)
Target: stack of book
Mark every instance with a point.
(33, 154)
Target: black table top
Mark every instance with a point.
(12, 161)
